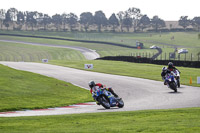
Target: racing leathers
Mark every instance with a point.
(99, 85)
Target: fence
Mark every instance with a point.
(138, 59)
(169, 56)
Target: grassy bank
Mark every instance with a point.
(102, 49)
(24, 90)
(158, 121)
(23, 52)
(141, 70)
(180, 38)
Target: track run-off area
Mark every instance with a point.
(88, 53)
(137, 93)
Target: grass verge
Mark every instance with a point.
(24, 90)
(141, 70)
(158, 121)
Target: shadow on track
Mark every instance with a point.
(178, 92)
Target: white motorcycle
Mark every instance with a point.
(177, 76)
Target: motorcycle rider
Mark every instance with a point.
(171, 67)
(165, 70)
(163, 73)
(92, 86)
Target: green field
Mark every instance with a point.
(141, 70)
(24, 90)
(102, 49)
(22, 52)
(156, 121)
(187, 40)
(180, 38)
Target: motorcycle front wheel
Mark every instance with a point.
(178, 83)
(173, 86)
(120, 103)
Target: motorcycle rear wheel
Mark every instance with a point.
(104, 102)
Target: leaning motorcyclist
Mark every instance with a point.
(92, 86)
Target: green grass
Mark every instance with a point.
(22, 52)
(180, 38)
(187, 40)
(65, 57)
(102, 49)
(157, 121)
(21, 90)
(24, 90)
(141, 70)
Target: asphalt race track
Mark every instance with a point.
(137, 93)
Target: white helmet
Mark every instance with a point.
(91, 84)
(164, 69)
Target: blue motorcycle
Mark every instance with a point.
(106, 99)
(171, 81)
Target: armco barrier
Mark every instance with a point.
(194, 64)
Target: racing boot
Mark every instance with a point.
(115, 95)
(165, 82)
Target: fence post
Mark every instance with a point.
(191, 56)
(161, 56)
(165, 55)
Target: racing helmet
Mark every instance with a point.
(164, 69)
(170, 64)
(91, 84)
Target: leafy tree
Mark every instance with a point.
(113, 21)
(43, 20)
(13, 15)
(121, 15)
(196, 22)
(57, 20)
(127, 21)
(144, 22)
(72, 20)
(20, 19)
(100, 19)
(2, 16)
(7, 20)
(157, 23)
(64, 20)
(184, 22)
(86, 19)
(31, 18)
(135, 15)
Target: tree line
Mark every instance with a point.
(123, 21)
